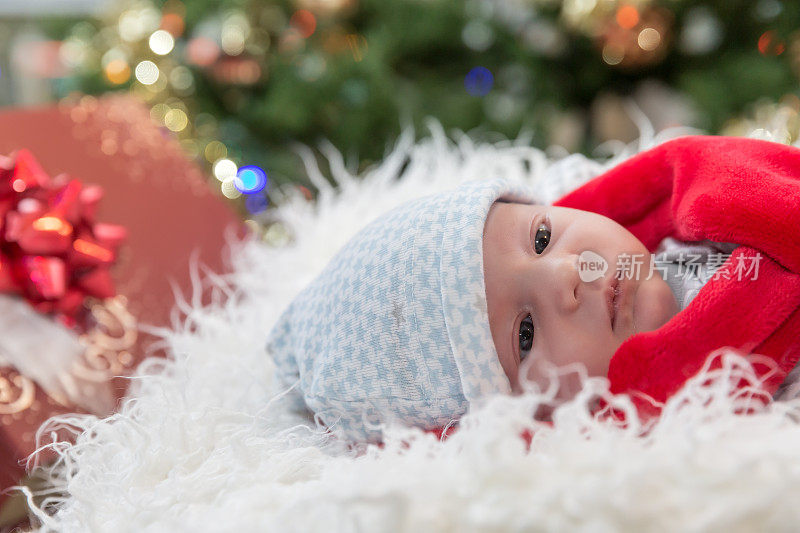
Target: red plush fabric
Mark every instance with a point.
(725, 189)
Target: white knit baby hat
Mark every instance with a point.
(395, 328)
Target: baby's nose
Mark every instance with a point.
(568, 281)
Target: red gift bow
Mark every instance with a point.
(52, 251)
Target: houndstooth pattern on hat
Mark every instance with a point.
(395, 328)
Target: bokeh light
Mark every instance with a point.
(117, 71)
(181, 78)
(627, 17)
(613, 54)
(477, 35)
(161, 42)
(147, 72)
(649, 39)
(225, 169)
(136, 23)
(159, 111)
(702, 32)
(250, 179)
(202, 51)
(173, 23)
(233, 38)
(204, 72)
(215, 150)
(479, 81)
(769, 45)
(256, 203)
(358, 45)
(176, 120)
(311, 67)
(304, 22)
(229, 190)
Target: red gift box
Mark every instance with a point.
(170, 213)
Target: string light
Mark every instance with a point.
(202, 51)
(479, 81)
(215, 150)
(649, 39)
(176, 120)
(357, 44)
(613, 54)
(229, 190)
(627, 17)
(117, 71)
(256, 203)
(51, 223)
(767, 44)
(147, 72)
(250, 179)
(161, 42)
(225, 169)
(233, 36)
(173, 23)
(304, 22)
(181, 78)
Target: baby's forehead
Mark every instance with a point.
(507, 227)
(512, 207)
(516, 203)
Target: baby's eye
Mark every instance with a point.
(541, 238)
(525, 337)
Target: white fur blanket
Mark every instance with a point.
(202, 444)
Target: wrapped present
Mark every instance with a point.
(89, 255)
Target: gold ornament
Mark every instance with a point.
(16, 393)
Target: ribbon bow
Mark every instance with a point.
(52, 252)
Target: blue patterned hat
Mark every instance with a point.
(395, 328)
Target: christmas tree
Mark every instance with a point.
(241, 81)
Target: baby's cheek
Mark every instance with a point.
(654, 305)
(531, 373)
(546, 374)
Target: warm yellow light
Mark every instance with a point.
(229, 189)
(51, 223)
(94, 250)
(649, 39)
(159, 111)
(117, 71)
(176, 120)
(613, 54)
(215, 150)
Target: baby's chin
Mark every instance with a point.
(654, 305)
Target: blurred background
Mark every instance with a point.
(239, 82)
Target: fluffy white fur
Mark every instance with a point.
(202, 443)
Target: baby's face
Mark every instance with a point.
(544, 303)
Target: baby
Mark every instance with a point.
(480, 290)
(544, 309)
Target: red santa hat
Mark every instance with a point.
(725, 189)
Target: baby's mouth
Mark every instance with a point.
(612, 300)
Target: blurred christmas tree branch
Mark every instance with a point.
(238, 81)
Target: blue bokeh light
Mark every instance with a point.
(479, 81)
(256, 203)
(250, 179)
